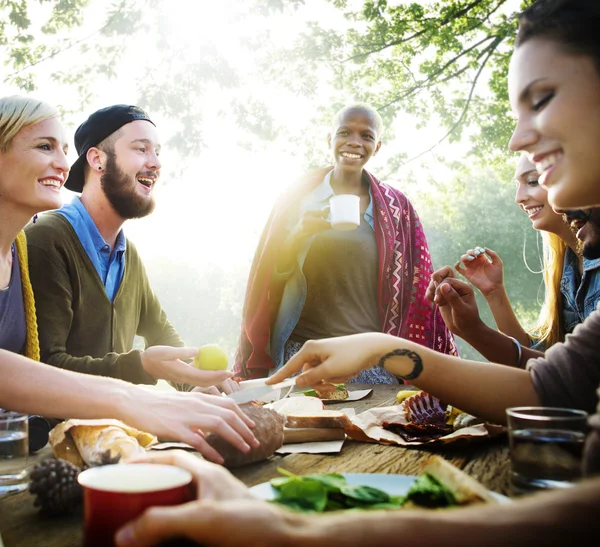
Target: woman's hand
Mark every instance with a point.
(456, 301)
(223, 501)
(436, 278)
(187, 417)
(224, 523)
(212, 482)
(334, 360)
(483, 268)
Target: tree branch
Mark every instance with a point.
(58, 52)
(432, 78)
(444, 22)
(458, 122)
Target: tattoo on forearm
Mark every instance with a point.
(413, 356)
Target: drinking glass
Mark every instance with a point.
(546, 447)
(14, 449)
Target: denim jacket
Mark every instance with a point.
(294, 294)
(580, 296)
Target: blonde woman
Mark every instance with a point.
(33, 169)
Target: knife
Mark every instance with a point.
(247, 395)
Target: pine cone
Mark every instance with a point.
(54, 483)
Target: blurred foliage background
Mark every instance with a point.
(261, 79)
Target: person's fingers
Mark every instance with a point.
(430, 292)
(157, 524)
(293, 366)
(212, 390)
(494, 256)
(228, 404)
(466, 259)
(225, 387)
(460, 286)
(196, 440)
(180, 458)
(317, 374)
(168, 353)
(189, 374)
(319, 213)
(439, 275)
(451, 296)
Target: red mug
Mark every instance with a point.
(116, 494)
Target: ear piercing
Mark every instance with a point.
(99, 168)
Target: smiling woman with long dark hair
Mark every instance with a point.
(309, 281)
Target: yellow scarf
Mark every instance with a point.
(32, 344)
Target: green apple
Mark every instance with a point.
(211, 357)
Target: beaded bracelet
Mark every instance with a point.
(519, 350)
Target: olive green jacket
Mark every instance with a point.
(80, 329)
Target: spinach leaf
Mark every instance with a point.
(427, 491)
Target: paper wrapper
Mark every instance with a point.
(94, 442)
(367, 427)
(356, 395)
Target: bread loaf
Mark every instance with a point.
(268, 431)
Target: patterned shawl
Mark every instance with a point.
(404, 273)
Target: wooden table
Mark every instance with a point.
(486, 460)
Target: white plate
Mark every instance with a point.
(395, 485)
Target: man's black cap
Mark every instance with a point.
(94, 130)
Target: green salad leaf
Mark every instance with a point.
(331, 492)
(313, 392)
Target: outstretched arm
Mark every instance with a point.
(481, 389)
(558, 518)
(35, 388)
(458, 307)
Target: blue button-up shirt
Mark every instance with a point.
(109, 265)
(294, 293)
(580, 293)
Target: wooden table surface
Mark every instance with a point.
(486, 460)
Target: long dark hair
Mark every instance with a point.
(572, 24)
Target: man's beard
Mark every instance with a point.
(120, 194)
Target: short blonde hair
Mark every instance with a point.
(17, 112)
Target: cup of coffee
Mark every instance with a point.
(114, 495)
(546, 447)
(344, 212)
(14, 449)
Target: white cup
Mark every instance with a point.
(345, 212)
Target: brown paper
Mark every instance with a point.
(367, 426)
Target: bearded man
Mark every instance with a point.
(91, 290)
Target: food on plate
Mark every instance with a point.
(439, 485)
(465, 489)
(463, 420)
(294, 405)
(425, 418)
(211, 357)
(310, 411)
(404, 394)
(97, 442)
(339, 394)
(268, 431)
